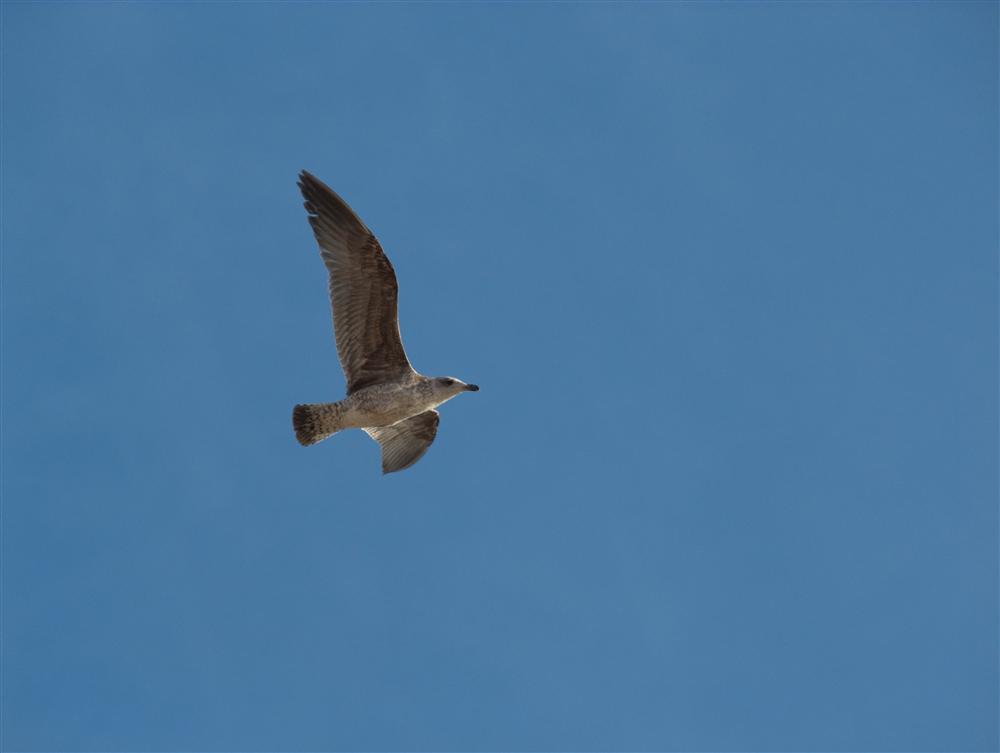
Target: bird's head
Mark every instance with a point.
(445, 388)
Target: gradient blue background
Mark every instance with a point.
(727, 275)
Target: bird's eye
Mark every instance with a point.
(447, 382)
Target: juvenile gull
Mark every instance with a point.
(385, 396)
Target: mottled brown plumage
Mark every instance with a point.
(363, 290)
(385, 396)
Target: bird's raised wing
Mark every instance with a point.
(363, 290)
(404, 443)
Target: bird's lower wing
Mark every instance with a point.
(404, 443)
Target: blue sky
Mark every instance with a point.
(726, 273)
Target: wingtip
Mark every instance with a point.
(313, 187)
(310, 187)
(386, 470)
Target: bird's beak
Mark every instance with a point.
(472, 387)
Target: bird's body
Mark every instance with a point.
(386, 397)
(385, 404)
(380, 405)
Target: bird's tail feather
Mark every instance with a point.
(315, 422)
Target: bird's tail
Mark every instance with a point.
(315, 422)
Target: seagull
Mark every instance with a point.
(386, 397)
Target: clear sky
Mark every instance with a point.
(726, 274)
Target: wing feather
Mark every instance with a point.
(363, 290)
(404, 443)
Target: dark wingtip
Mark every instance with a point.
(306, 180)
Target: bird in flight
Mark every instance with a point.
(386, 397)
